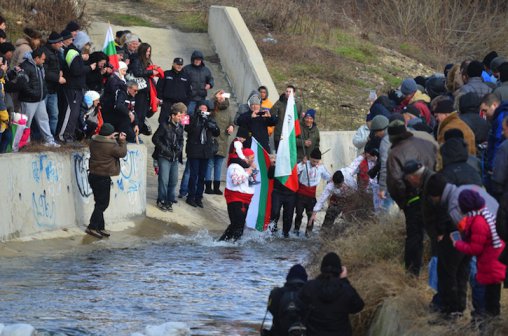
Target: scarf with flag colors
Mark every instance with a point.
(285, 169)
(109, 48)
(258, 215)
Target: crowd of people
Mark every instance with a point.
(436, 147)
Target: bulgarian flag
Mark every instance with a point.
(110, 49)
(258, 215)
(285, 169)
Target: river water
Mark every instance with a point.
(118, 289)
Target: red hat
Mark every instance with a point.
(247, 152)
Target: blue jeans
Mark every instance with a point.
(192, 107)
(477, 290)
(214, 163)
(168, 179)
(184, 185)
(52, 108)
(197, 169)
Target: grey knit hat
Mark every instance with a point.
(379, 123)
(408, 86)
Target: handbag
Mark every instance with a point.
(142, 84)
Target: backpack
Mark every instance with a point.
(291, 315)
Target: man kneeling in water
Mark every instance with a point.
(238, 194)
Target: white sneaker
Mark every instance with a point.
(52, 143)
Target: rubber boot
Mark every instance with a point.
(208, 187)
(216, 188)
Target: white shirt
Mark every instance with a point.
(311, 176)
(237, 179)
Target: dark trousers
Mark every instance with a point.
(452, 276)
(101, 187)
(142, 106)
(237, 212)
(331, 215)
(303, 203)
(197, 168)
(287, 201)
(68, 118)
(492, 298)
(413, 252)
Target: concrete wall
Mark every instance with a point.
(339, 148)
(238, 52)
(48, 191)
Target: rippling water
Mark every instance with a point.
(216, 288)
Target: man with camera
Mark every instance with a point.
(200, 148)
(256, 121)
(106, 149)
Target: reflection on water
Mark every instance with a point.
(216, 288)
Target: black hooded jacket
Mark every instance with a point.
(470, 114)
(199, 77)
(200, 134)
(274, 304)
(455, 167)
(329, 300)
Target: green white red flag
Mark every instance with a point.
(110, 49)
(285, 168)
(258, 215)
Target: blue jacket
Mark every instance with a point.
(496, 133)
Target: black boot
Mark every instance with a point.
(208, 187)
(216, 188)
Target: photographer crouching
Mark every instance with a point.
(106, 149)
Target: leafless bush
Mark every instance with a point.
(44, 15)
(454, 29)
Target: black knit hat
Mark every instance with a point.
(474, 69)
(488, 58)
(242, 132)
(444, 106)
(396, 128)
(453, 133)
(436, 185)
(331, 264)
(315, 154)
(66, 34)
(106, 129)
(298, 273)
(54, 37)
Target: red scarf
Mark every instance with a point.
(154, 101)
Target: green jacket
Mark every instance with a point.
(311, 134)
(224, 119)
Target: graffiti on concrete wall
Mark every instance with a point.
(47, 175)
(80, 165)
(128, 182)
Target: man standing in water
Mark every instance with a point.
(105, 154)
(238, 195)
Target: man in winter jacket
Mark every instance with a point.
(279, 110)
(456, 168)
(283, 303)
(105, 154)
(201, 80)
(200, 133)
(32, 93)
(330, 299)
(407, 147)
(53, 77)
(256, 121)
(495, 111)
(308, 140)
(470, 114)
(502, 90)
(74, 71)
(168, 141)
(474, 82)
(499, 188)
(175, 87)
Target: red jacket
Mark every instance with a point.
(478, 242)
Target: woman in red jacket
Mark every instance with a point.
(479, 238)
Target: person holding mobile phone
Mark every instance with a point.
(106, 150)
(257, 121)
(481, 240)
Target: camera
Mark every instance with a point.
(205, 114)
